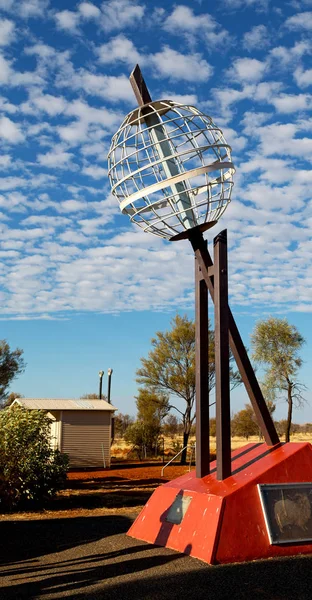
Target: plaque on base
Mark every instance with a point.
(287, 509)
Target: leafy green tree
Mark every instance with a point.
(276, 345)
(152, 408)
(244, 424)
(143, 437)
(122, 423)
(170, 369)
(11, 365)
(171, 426)
(11, 397)
(281, 427)
(30, 471)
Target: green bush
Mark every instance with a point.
(30, 471)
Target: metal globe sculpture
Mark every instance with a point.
(170, 169)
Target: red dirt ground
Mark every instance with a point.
(122, 489)
(131, 471)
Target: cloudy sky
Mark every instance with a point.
(81, 289)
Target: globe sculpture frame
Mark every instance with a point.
(214, 513)
(142, 151)
(170, 169)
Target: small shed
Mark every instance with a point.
(80, 428)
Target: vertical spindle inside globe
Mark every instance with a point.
(170, 167)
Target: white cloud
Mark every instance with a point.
(73, 237)
(120, 14)
(6, 4)
(183, 20)
(238, 142)
(6, 32)
(288, 103)
(74, 133)
(303, 78)
(109, 87)
(26, 79)
(67, 20)
(256, 38)
(89, 10)
(182, 98)
(82, 128)
(252, 120)
(10, 183)
(33, 8)
(167, 62)
(282, 57)
(10, 131)
(223, 98)
(6, 106)
(281, 139)
(259, 5)
(5, 70)
(5, 161)
(58, 158)
(90, 114)
(247, 69)
(52, 105)
(69, 206)
(46, 220)
(95, 226)
(95, 172)
(301, 20)
(265, 91)
(119, 49)
(175, 65)
(97, 149)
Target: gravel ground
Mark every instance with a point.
(79, 549)
(91, 557)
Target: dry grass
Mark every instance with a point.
(121, 449)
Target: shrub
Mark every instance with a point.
(30, 471)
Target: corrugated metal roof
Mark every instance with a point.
(64, 404)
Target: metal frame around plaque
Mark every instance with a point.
(287, 510)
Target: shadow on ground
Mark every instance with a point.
(24, 540)
(102, 499)
(112, 481)
(92, 558)
(286, 579)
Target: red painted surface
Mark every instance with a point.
(224, 521)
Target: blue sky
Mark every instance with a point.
(83, 290)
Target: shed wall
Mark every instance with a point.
(55, 415)
(83, 433)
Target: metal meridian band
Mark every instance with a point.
(160, 185)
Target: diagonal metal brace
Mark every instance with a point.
(244, 365)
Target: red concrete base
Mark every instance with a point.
(224, 521)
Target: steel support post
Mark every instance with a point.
(222, 357)
(244, 365)
(202, 383)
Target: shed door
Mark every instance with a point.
(85, 435)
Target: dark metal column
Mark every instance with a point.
(202, 384)
(222, 357)
(244, 365)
